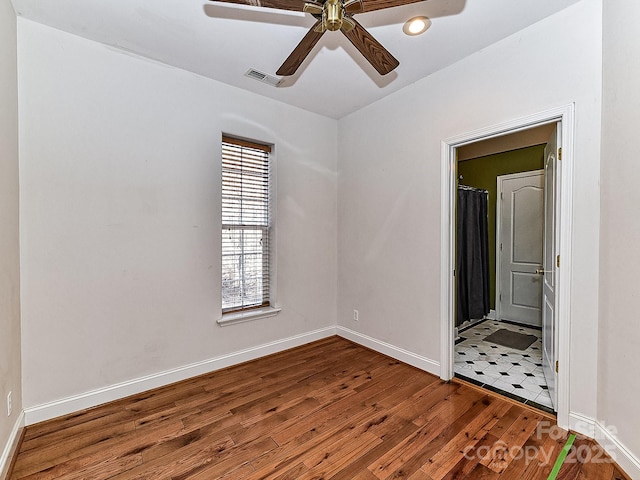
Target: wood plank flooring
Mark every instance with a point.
(327, 410)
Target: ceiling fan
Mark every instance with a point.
(334, 15)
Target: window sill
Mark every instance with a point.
(249, 315)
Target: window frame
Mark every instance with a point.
(242, 311)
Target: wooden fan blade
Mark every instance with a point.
(353, 6)
(294, 5)
(371, 5)
(378, 56)
(295, 59)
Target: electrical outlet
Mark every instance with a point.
(356, 316)
(9, 406)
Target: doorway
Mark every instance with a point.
(502, 351)
(562, 116)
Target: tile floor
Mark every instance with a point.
(516, 373)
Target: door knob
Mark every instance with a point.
(540, 271)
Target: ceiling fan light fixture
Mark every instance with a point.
(416, 25)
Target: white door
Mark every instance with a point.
(550, 264)
(519, 247)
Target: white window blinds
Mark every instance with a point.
(245, 225)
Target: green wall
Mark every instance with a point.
(482, 172)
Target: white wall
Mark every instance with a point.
(10, 371)
(619, 336)
(389, 182)
(120, 215)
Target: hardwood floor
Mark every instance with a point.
(327, 410)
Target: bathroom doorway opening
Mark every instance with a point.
(560, 120)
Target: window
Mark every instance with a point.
(245, 225)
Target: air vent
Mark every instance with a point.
(263, 77)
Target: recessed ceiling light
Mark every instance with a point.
(416, 25)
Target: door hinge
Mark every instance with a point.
(556, 366)
(560, 153)
(558, 261)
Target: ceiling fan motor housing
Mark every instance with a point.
(332, 14)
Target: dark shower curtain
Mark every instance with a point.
(472, 271)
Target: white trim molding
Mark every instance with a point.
(605, 436)
(626, 460)
(110, 393)
(11, 447)
(582, 424)
(565, 115)
(247, 316)
(117, 391)
(413, 359)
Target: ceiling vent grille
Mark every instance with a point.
(263, 77)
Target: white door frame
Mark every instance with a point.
(564, 114)
(499, 229)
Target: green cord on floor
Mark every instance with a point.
(561, 457)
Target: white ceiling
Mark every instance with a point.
(222, 41)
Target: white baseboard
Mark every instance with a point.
(11, 446)
(75, 403)
(582, 424)
(99, 396)
(491, 315)
(606, 439)
(619, 452)
(418, 361)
